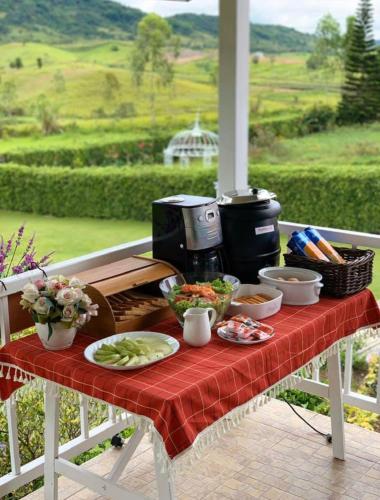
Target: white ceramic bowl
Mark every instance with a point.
(256, 311)
(304, 292)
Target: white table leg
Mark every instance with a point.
(51, 440)
(336, 404)
(165, 483)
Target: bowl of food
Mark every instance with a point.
(256, 301)
(300, 287)
(208, 289)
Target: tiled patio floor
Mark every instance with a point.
(272, 454)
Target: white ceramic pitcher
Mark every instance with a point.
(197, 327)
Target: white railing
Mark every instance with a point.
(315, 386)
(22, 474)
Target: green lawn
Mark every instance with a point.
(356, 145)
(71, 237)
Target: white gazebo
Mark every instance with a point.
(195, 143)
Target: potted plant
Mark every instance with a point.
(59, 307)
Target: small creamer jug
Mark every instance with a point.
(197, 327)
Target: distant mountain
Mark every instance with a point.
(66, 20)
(203, 29)
(63, 20)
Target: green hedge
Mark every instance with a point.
(119, 149)
(147, 150)
(331, 196)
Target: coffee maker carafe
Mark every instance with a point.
(187, 233)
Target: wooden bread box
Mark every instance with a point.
(128, 295)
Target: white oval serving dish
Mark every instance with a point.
(256, 311)
(304, 292)
(92, 348)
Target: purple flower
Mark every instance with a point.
(15, 261)
(17, 269)
(20, 234)
(28, 259)
(9, 245)
(30, 244)
(45, 259)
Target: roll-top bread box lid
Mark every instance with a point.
(128, 295)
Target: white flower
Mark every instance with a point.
(93, 309)
(30, 293)
(41, 306)
(76, 283)
(68, 313)
(85, 301)
(66, 296)
(60, 278)
(78, 294)
(81, 320)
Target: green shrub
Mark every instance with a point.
(147, 150)
(31, 415)
(87, 147)
(318, 119)
(324, 196)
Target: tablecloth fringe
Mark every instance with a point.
(211, 433)
(235, 417)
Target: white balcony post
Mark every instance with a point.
(234, 50)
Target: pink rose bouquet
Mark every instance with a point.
(58, 300)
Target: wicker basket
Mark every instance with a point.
(339, 279)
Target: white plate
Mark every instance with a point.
(223, 335)
(92, 348)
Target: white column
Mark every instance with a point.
(234, 51)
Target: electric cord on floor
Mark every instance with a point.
(327, 436)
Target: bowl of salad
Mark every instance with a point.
(208, 289)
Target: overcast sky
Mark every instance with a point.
(300, 14)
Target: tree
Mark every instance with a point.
(350, 25)
(39, 62)
(111, 86)
(18, 63)
(59, 82)
(328, 46)
(360, 99)
(8, 97)
(150, 59)
(47, 114)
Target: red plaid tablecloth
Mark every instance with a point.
(191, 390)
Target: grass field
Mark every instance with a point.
(72, 237)
(280, 84)
(344, 146)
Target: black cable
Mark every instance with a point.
(327, 436)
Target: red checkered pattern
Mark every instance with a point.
(191, 390)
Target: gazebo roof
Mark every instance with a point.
(194, 143)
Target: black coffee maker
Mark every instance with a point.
(187, 233)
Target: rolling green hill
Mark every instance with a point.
(203, 31)
(59, 21)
